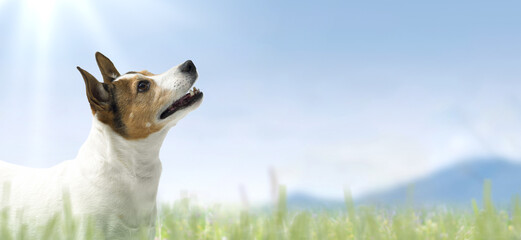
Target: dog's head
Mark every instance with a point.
(137, 104)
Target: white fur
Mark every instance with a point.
(181, 86)
(125, 76)
(112, 180)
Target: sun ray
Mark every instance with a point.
(30, 46)
(40, 14)
(31, 49)
(20, 47)
(93, 22)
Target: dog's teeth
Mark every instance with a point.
(193, 91)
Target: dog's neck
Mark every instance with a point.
(128, 168)
(137, 158)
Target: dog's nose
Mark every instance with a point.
(187, 67)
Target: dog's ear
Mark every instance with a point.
(108, 71)
(97, 93)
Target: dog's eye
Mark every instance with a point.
(143, 86)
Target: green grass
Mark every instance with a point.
(186, 220)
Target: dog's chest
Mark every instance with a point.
(119, 197)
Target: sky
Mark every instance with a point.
(329, 94)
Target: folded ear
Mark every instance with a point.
(108, 71)
(97, 93)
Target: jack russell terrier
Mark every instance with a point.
(114, 178)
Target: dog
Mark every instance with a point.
(112, 183)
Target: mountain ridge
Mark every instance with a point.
(456, 184)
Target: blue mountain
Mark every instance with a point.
(454, 185)
(457, 184)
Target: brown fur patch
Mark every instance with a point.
(133, 114)
(147, 73)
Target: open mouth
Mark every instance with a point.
(185, 101)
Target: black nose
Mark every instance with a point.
(187, 67)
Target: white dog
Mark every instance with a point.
(113, 180)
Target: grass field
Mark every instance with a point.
(186, 220)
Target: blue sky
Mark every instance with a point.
(364, 94)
